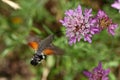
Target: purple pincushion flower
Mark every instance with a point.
(102, 21)
(98, 73)
(116, 5)
(79, 25)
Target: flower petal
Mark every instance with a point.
(87, 73)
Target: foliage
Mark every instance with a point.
(41, 18)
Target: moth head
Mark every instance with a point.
(34, 62)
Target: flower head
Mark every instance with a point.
(78, 25)
(104, 22)
(98, 73)
(116, 5)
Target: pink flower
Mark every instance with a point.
(116, 5)
(98, 73)
(102, 21)
(79, 25)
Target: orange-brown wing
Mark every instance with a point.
(48, 51)
(53, 50)
(34, 45)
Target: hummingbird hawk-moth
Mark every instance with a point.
(43, 48)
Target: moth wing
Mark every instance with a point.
(45, 43)
(33, 41)
(33, 45)
(53, 50)
(48, 51)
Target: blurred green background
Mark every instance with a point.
(41, 18)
